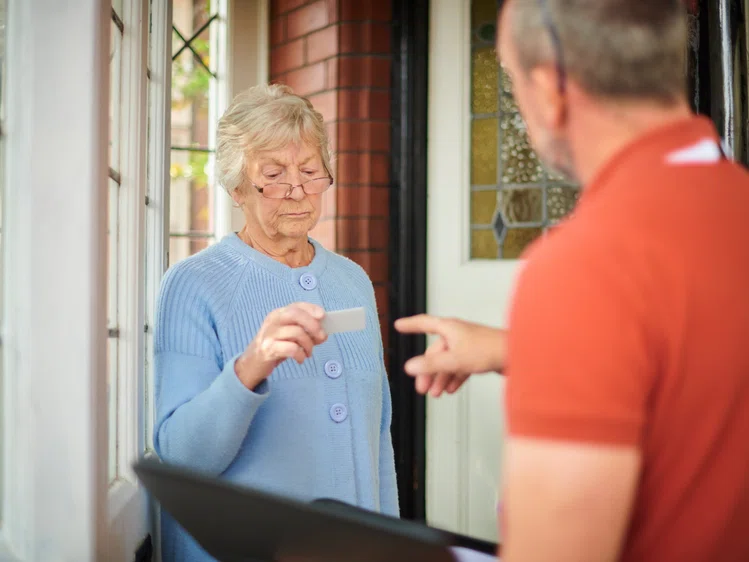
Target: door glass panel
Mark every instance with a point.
(514, 199)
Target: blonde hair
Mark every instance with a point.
(266, 118)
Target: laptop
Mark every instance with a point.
(239, 524)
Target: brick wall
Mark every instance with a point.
(338, 53)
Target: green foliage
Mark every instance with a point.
(190, 81)
(196, 169)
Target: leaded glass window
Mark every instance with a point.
(195, 87)
(514, 199)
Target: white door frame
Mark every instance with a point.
(464, 431)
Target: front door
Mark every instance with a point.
(488, 198)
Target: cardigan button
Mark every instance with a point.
(338, 412)
(308, 281)
(333, 369)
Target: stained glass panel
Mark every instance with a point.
(484, 81)
(484, 152)
(517, 240)
(560, 201)
(483, 12)
(522, 205)
(484, 245)
(514, 198)
(519, 162)
(483, 204)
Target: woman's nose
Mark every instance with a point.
(297, 192)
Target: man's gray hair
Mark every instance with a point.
(266, 118)
(617, 49)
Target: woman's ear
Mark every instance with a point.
(237, 196)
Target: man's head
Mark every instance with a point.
(565, 56)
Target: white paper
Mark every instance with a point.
(349, 320)
(461, 554)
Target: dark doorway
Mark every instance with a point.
(408, 234)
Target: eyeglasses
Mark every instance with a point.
(283, 190)
(556, 43)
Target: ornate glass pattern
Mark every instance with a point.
(519, 162)
(484, 80)
(514, 198)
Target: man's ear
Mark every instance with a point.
(544, 83)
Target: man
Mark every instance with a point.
(628, 345)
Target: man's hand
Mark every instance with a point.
(461, 350)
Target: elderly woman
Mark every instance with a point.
(249, 387)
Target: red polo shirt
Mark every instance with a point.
(630, 325)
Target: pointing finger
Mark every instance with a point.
(419, 324)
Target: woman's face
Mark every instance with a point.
(294, 216)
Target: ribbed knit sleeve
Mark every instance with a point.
(203, 411)
(388, 491)
(388, 483)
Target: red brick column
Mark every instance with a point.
(337, 53)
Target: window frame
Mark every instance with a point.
(54, 401)
(127, 503)
(143, 212)
(54, 405)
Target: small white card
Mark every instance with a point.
(467, 555)
(349, 320)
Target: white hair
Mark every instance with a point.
(266, 118)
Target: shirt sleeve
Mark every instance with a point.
(203, 411)
(580, 348)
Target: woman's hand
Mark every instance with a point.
(287, 333)
(461, 350)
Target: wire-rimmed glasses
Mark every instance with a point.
(283, 190)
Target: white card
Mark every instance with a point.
(467, 555)
(349, 320)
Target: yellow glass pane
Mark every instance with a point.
(517, 240)
(483, 11)
(484, 152)
(522, 205)
(484, 81)
(483, 205)
(483, 245)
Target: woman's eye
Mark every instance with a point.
(309, 172)
(272, 176)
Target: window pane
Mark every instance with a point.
(514, 199)
(192, 192)
(191, 195)
(181, 247)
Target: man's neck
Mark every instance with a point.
(294, 252)
(606, 129)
